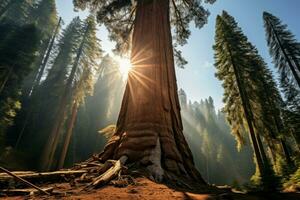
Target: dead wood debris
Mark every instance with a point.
(87, 175)
(24, 181)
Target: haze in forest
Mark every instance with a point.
(198, 79)
(201, 92)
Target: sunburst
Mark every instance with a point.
(125, 66)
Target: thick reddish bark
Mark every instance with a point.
(149, 128)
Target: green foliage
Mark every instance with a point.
(251, 96)
(72, 67)
(118, 17)
(294, 181)
(90, 53)
(17, 51)
(44, 15)
(284, 48)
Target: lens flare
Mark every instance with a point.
(124, 66)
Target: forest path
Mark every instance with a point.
(148, 190)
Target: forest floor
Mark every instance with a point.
(145, 189)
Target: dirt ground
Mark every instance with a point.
(145, 189)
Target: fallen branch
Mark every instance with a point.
(15, 192)
(44, 177)
(110, 174)
(24, 181)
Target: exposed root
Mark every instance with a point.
(123, 181)
(155, 168)
(110, 174)
(94, 174)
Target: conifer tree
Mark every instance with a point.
(244, 77)
(17, 52)
(145, 28)
(84, 83)
(284, 48)
(228, 56)
(47, 94)
(99, 110)
(86, 55)
(44, 16)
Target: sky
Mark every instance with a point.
(197, 78)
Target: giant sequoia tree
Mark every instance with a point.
(149, 128)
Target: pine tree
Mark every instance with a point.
(45, 58)
(245, 78)
(87, 64)
(145, 28)
(285, 50)
(283, 47)
(44, 16)
(86, 55)
(48, 93)
(99, 110)
(17, 52)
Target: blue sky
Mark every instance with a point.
(198, 79)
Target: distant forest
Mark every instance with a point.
(61, 95)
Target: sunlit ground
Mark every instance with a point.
(124, 66)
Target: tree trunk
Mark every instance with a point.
(149, 128)
(46, 58)
(279, 127)
(50, 147)
(248, 114)
(68, 136)
(286, 152)
(262, 151)
(37, 80)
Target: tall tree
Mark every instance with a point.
(48, 93)
(231, 71)
(284, 48)
(44, 16)
(41, 71)
(17, 52)
(155, 127)
(86, 55)
(99, 110)
(244, 77)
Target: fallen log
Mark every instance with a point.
(23, 192)
(23, 181)
(44, 177)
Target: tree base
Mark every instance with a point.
(158, 149)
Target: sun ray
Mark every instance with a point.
(124, 66)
